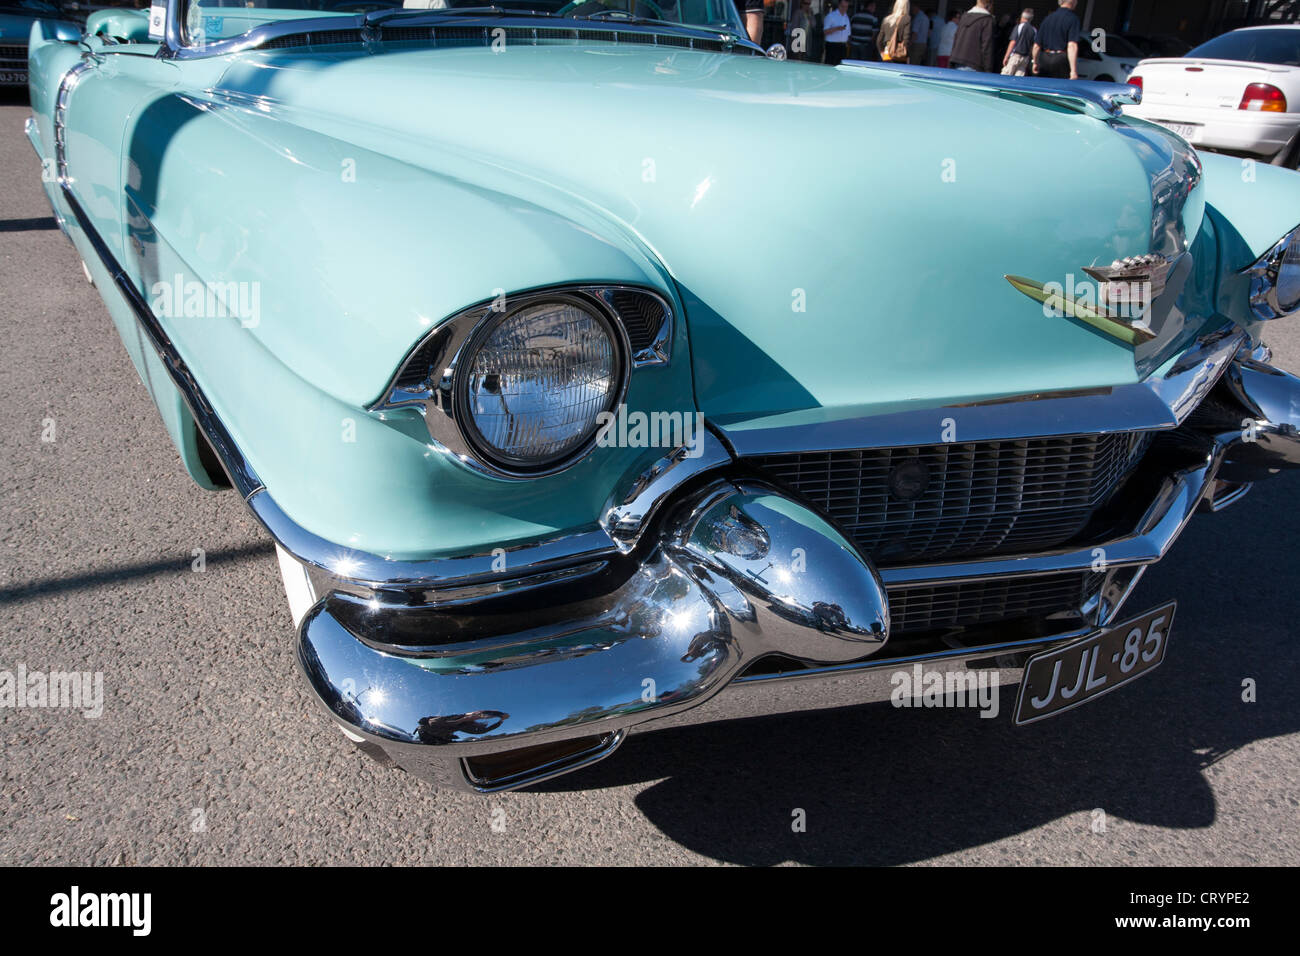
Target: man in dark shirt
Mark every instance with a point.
(862, 33)
(1056, 52)
(1020, 49)
(972, 47)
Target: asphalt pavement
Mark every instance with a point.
(210, 751)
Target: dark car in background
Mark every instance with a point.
(16, 19)
(1161, 45)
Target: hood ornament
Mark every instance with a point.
(1117, 302)
(1135, 281)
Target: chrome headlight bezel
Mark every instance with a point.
(431, 378)
(1264, 279)
(462, 402)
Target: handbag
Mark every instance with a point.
(895, 50)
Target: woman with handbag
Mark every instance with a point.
(896, 33)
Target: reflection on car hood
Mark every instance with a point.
(839, 237)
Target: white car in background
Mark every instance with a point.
(1238, 93)
(1112, 64)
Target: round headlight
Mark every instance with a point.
(533, 382)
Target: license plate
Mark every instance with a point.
(13, 77)
(1066, 677)
(1187, 131)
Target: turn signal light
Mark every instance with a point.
(1261, 97)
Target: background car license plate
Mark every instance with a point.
(13, 77)
(1066, 677)
(1187, 131)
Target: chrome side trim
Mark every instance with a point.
(1154, 405)
(374, 571)
(236, 467)
(1102, 100)
(70, 80)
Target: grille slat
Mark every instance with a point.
(913, 610)
(978, 498)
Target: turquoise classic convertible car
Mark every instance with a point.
(563, 428)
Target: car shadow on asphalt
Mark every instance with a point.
(28, 225)
(91, 578)
(879, 785)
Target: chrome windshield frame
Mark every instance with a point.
(174, 45)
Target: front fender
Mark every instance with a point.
(1254, 204)
(354, 257)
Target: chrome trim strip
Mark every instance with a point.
(70, 80)
(1153, 405)
(1102, 100)
(374, 571)
(237, 469)
(1225, 495)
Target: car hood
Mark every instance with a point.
(838, 237)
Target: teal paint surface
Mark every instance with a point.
(370, 197)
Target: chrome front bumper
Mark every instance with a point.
(517, 689)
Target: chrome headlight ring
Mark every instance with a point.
(1275, 280)
(434, 377)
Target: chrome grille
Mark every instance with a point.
(933, 607)
(962, 499)
(12, 58)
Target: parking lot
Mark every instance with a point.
(210, 751)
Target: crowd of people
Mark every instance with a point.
(972, 39)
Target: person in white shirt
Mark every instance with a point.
(946, 36)
(836, 29)
(920, 40)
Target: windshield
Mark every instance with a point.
(32, 8)
(217, 20)
(1281, 47)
